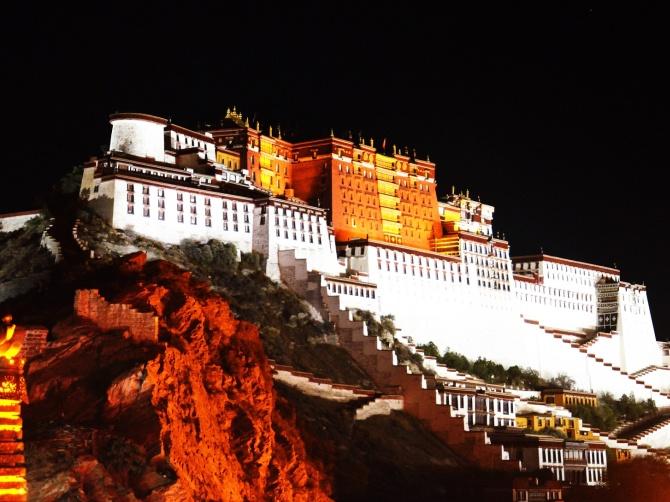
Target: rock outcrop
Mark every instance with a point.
(191, 415)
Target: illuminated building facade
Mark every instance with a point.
(369, 220)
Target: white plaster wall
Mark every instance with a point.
(658, 378)
(483, 322)
(170, 230)
(14, 222)
(142, 138)
(320, 255)
(608, 349)
(657, 439)
(353, 296)
(638, 341)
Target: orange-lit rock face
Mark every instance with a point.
(211, 392)
(214, 397)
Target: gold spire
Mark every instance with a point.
(332, 134)
(246, 122)
(258, 126)
(270, 131)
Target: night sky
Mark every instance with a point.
(553, 116)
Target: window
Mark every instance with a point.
(130, 187)
(161, 214)
(145, 190)
(193, 199)
(180, 218)
(194, 220)
(180, 206)
(146, 212)
(208, 222)
(194, 210)
(246, 228)
(130, 197)
(235, 229)
(161, 192)
(180, 196)
(208, 201)
(225, 204)
(225, 225)
(131, 209)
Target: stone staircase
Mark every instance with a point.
(325, 388)
(50, 243)
(382, 405)
(638, 432)
(607, 370)
(418, 391)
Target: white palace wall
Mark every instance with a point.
(441, 301)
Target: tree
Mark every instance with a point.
(562, 381)
(430, 349)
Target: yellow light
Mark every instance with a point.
(12, 478)
(13, 491)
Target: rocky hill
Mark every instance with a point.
(192, 413)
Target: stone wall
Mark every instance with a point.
(34, 342)
(142, 326)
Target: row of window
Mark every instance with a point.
(298, 236)
(146, 212)
(289, 223)
(555, 292)
(596, 457)
(351, 290)
(420, 260)
(295, 214)
(543, 300)
(484, 249)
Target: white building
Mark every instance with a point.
(552, 314)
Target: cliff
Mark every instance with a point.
(188, 414)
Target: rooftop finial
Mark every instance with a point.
(395, 150)
(372, 142)
(228, 112)
(270, 131)
(234, 109)
(246, 122)
(467, 193)
(279, 131)
(428, 157)
(332, 134)
(258, 125)
(453, 190)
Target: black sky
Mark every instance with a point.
(552, 115)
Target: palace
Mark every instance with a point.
(370, 224)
